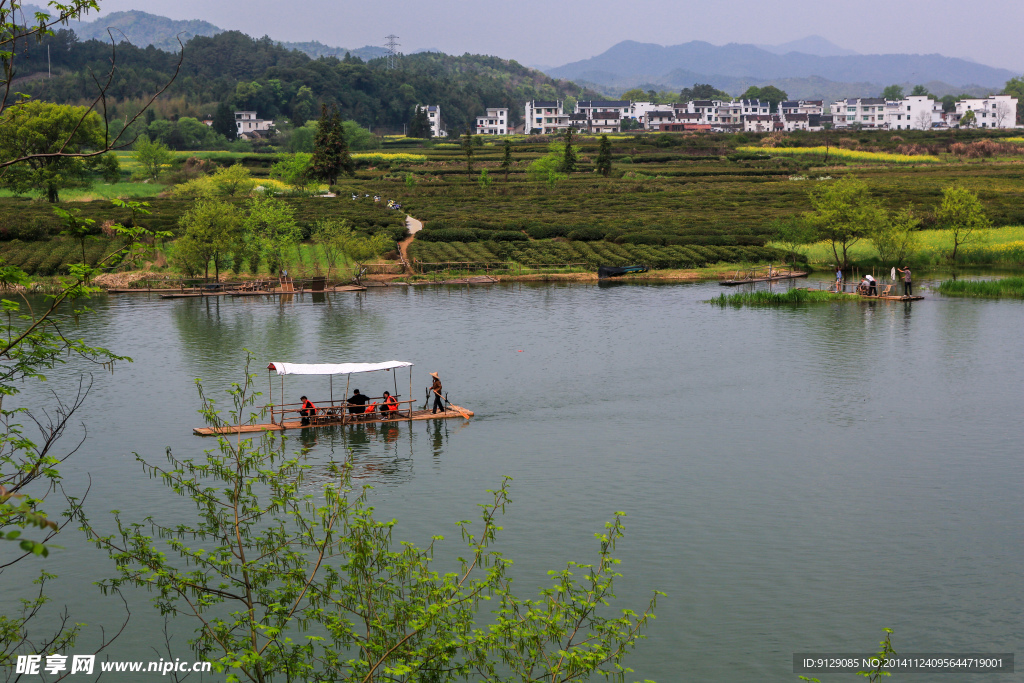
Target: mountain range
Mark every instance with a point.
(809, 68)
(143, 29)
(735, 66)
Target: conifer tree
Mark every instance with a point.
(224, 121)
(419, 125)
(467, 148)
(330, 151)
(604, 157)
(569, 160)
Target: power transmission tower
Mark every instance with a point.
(391, 45)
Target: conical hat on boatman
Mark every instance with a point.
(434, 375)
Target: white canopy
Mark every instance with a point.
(334, 368)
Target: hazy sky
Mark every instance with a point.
(553, 32)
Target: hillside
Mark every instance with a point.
(286, 84)
(629, 63)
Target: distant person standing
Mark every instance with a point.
(908, 287)
(872, 286)
(435, 388)
(839, 279)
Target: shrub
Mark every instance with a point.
(591, 234)
(507, 236)
(540, 232)
(642, 238)
(449, 235)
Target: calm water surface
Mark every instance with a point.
(795, 479)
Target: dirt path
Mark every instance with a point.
(414, 227)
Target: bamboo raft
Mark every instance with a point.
(884, 296)
(350, 420)
(242, 292)
(337, 412)
(772, 275)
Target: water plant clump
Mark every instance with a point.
(1009, 288)
(794, 296)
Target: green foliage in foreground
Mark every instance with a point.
(285, 585)
(793, 296)
(1009, 287)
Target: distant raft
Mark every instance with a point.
(604, 272)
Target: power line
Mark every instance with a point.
(391, 45)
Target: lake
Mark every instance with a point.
(795, 479)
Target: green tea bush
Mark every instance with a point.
(592, 234)
(540, 231)
(641, 238)
(508, 236)
(447, 235)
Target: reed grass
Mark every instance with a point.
(1008, 288)
(763, 297)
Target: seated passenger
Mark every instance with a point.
(308, 410)
(359, 401)
(390, 407)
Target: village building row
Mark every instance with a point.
(607, 116)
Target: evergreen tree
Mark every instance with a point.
(419, 125)
(224, 121)
(569, 159)
(467, 147)
(330, 151)
(604, 157)
(506, 160)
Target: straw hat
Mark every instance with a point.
(434, 375)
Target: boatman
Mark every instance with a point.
(435, 388)
(308, 410)
(908, 287)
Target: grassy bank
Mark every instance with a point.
(791, 297)
(997, 246)
(1008, 288)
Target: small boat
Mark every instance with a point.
(604, 272)
(331, 412)
(771, 275)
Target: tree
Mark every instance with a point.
(634, 95)
(270, 228)
(467, 149)
(768, 93)
(703, 91)
(152, 157)
(570, 157)
(32, 342)
(603, 165)
(47, 136)
(330, 151)
(892, 92)
(224, 122)
(303, 106)
(1015, 87)
(359, 138)
(109, 167)
(1004, 114)
(212, 231)
(969, 119)
(895, 238)
(506, 158)
(844, 212)
(419, 124)
(232, 181)
(920, 91)
(294, 171)
(793, 232)
(18, 31)
(284, 585)
(962, 213)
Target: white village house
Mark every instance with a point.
(248, 126)
(994, 111)
(494, 122)
(545, 116)
(437, 129)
